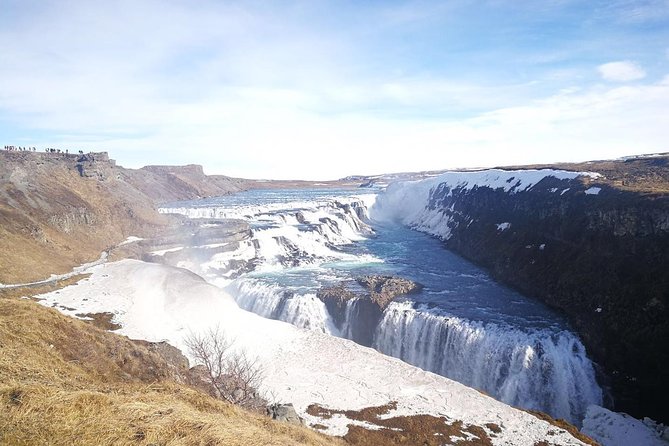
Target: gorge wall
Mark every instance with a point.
(595, 247)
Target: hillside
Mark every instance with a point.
(66, 382)
(170, 183)
(58, 211)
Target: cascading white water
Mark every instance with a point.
(272, 301)
(537, 370)
(288, 234)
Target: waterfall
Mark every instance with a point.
(273, 302)
(542, 370)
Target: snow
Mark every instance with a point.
(162, 252)
(55, 277)
(593, 191)
(542, 247)
(503, 226)
(619, 429)
(156, 302)
(647, 155)
(408, 201)
(131, 239)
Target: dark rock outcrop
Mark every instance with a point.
(383, 289)
(366, 306)
(335, 299)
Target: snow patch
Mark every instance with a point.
(619, 429)
(503, 226)
(131, 239)
(162, 252)
(593, 191)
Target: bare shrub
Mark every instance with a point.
(231, 373)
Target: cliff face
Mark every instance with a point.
(60, 210)
(169, 183)
(597, 252)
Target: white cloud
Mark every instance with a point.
(622, 71)
(255, 95)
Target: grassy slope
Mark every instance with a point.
(52, 219)
(65, 382)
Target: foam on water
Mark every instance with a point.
(275, 302)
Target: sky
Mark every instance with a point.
(320, 89)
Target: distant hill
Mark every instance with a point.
(60, 210)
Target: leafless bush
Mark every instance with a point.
(231, 373)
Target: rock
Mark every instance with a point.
(285, 413)
(608, 251)
(176, 361)
(335, 299)
(301, 218)
(383, 289)
(366, 309)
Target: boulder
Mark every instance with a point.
(285, 413)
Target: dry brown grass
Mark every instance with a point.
(65, 382)
(643, 175)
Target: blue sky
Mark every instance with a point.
(323, 89)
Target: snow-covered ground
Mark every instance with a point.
(56, 277)
(619, 429)
(157, 302)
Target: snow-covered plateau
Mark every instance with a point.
(410, 202)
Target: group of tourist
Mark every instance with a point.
(33, 149)
(20, 149)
